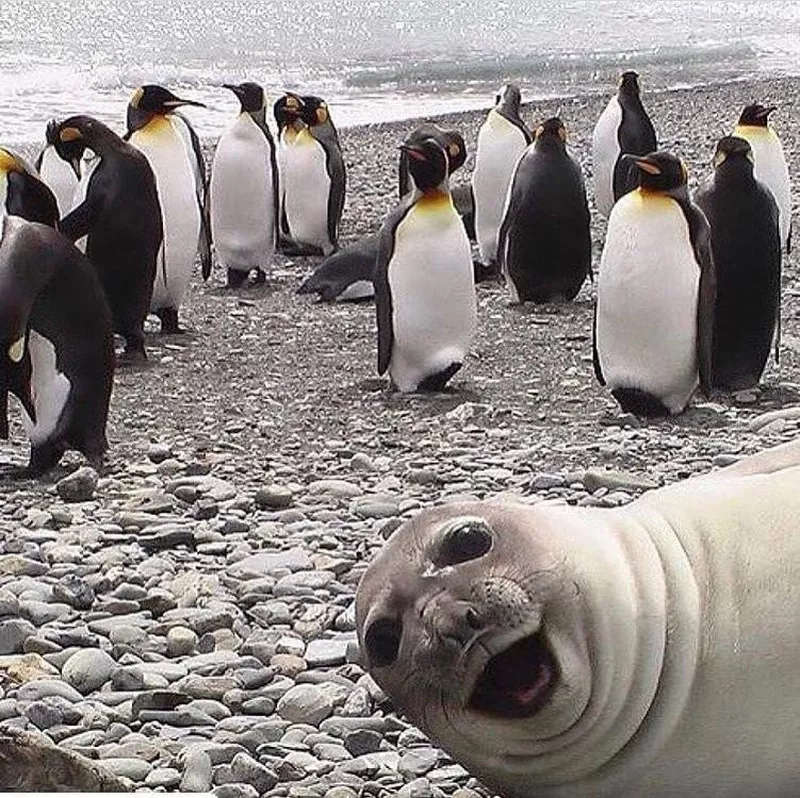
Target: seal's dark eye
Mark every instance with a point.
(382, 640)
(466, 540)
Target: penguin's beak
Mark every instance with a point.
(237, 90)
(178, 102)
(413, 152)
(75, 163)
(764, 114)
(642, 162)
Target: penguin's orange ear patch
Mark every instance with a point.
(648, 167)
(453, 150)
(137, 97)
(538, 132)
(562, 133)
(720, 158)
(70, 134)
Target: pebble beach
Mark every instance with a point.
(185, 618)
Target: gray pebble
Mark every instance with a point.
(79, 486)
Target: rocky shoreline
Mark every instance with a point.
(187, 617)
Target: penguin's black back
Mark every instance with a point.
(745, 240)
(545, 237)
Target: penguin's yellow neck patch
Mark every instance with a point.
(8, 163)
(434, 201)
(159, 125)
(745, 131)
(304, 137)
(645, 200)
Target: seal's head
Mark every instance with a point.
(470, 620)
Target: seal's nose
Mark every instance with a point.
(453, 621)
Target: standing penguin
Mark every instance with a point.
(655, 294)
(347, 274)
(244, 190)
(56, 344)
(314, 179)
(424, 291)
(544, 245)
(55, 172)
(22, 193)
(287, 117)
(164, 137)
(623, 127)
(770, 162)
(121, 218)
(745, 240)
(502, 139)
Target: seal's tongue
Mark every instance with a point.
(517, 682)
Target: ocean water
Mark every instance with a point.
(373, 60)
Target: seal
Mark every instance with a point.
(570, 652)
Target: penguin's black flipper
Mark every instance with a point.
(338, 177)
(598, 371)
(380, 279)
(79, 221)
(706, 300)
(203, 204)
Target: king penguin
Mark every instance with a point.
(544, 244)
(770, 162)
(745, 240)
(287, 118)
(623, 127)
(121, 218)
(165, 138)
(314, 180)
(502, 139)
(347, 274)
(655, 295)
(424, 291)
(23, 193)
(55, 172)
(244, 190)
(57, 347)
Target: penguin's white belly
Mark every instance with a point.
(306, 190)
(647, 298)
(500, 145)
(57, 174)
(49, 389)
(173, 167)
(433, 294)
(771, 170)
(243, 197)
(605, 152)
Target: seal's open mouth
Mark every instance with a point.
(518, 682)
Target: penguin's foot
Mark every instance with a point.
(483, 272)
(640, 403)
(236, 278)
(132, 358)
(435, 383)
(44, 457)
(169, 321)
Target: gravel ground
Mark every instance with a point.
(187, 617)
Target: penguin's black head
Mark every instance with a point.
(251, 95)
(629, 81)
(450, 140)
(756, 115)
(733, 149)
(550, 132)
(151, 100)
(660, 171)
(71, 141)
(509, 97)
(427, 162)
(314, 111)
(287, 109)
